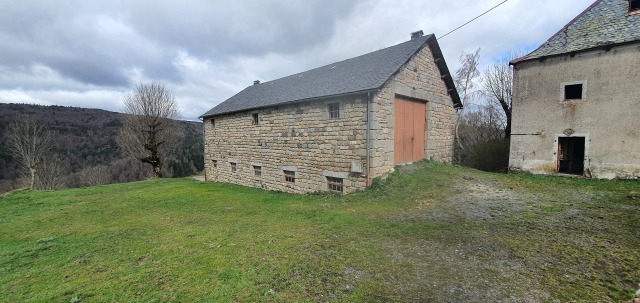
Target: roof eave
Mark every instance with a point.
(445, 74)
(599, 47)
(360, 92)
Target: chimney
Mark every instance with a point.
(417, 34)
(256, 82)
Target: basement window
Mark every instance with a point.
(573, 92)
(257, 170)
(334, 110)
(234, 167)
(255, 119)
(290, 176)
(634, 6)
(335, 184)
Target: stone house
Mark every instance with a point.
(576, 99)
(336, 127)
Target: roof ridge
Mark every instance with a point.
(360, 74)
(425, 37)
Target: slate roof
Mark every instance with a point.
(604, 23)
(360, 74)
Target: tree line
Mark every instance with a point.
(483, 127)
(80, 148)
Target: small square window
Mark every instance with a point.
(215, 163)
(335, 184)
(634, 5)
(255, 119)
(257, 170)
(290, 176)
(233, 167)
(573, 92)
(334, 110)
(213, 122)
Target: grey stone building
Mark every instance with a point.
(576, 99)
(336, 127)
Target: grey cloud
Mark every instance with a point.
(86, 46)
(97, 43)
(75, 47)
(232, 28)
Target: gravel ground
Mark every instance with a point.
(455, 270)
(470, 259)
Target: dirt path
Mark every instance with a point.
(468, 259)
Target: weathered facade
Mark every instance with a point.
(576, 98)
(319, 138)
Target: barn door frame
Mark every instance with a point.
(410, 129)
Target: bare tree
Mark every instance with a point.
(31, 144)
(96, 175)
(497, 80)
(52, 173)
(481, 123)
(149, 132)
(465, 76)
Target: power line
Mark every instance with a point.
(459, 27)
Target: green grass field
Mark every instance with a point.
(436, 233)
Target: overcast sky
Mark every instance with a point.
(88, 53)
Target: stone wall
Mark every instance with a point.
(440, 132)
(606, 116)
(299, 137)
(419, 79)
(303, 138)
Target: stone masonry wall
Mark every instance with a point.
(419, 79)
(303, 138)
(440, 132)
(298, 137)
(606, 116)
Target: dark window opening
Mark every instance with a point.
(257, 170)
(215, 163)
(255, 119)
(571, 155)
(335, 184)
(634, 5)
(233, 167)
(290, 176)
(334, 110)
(573, 92)
(213, 122)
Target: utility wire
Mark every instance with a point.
(459, 27)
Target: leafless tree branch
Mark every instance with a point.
(464, 81)
(31, 144)
(497, 82)
(149, 132)
(52, 173)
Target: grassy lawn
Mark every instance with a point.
(433, 232)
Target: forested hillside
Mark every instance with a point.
(86, 141)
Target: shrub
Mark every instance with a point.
(491, 155)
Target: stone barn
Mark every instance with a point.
(336, 127)
(576, 99)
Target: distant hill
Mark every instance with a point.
(86, 138)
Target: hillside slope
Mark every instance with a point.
(432, 233)
(86, 138)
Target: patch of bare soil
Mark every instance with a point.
(456, 272)
(467, 267)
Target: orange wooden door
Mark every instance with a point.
(409, 125)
